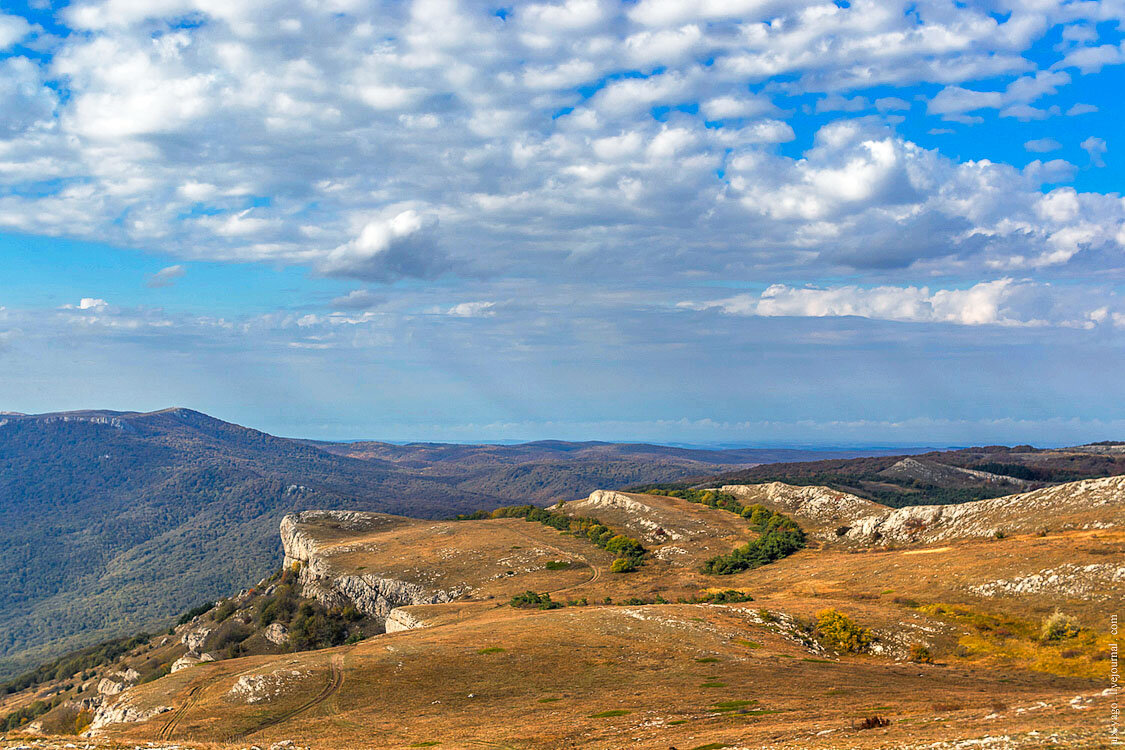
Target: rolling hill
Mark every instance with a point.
(511, 633)
(939, 477)
(113, 521)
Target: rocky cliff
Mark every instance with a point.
(839, 517)
(305, 536)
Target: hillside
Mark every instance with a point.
(111, 521)
(939, 477)
(967, 638)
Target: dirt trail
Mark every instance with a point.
(335, 682)
(189, 701)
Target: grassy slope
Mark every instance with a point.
(111, 521)
(683, 675)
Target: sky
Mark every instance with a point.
(695, 221)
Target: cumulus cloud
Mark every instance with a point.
(954, 102)
(432, 136)
(387, 249)
(478, 309)
(12, 29)
(358, 299)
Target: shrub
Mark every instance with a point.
(591, 528)
(622, 565)
(919, 654)
(780, 537)
(1059, 626)
(532, 600)
(841, 633)
(558, 564)
(871, 722)
(721, 597)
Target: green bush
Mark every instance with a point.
(532, 600)
(838, 631)
(728, 596)
(622, 565)
(780, 537)
(1058, 627)
(591, 528)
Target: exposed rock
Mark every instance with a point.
(372, 594)
(196, 637)
(260, 688)
(128, 675)
(1067, 580)
(944, 474)
(109, 687)
(646, 517)
(819, 510)
(277, 633)
(834, 516)
(1073, 505)
(190, 660)
(123, 712)
(400, 619)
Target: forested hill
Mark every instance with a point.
(111, 520)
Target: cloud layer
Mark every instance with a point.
(379, 141)
(508, 207)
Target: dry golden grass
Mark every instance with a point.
(483, 674)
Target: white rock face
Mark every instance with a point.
(372, 594)
(277, 634)
(262, 688)
(644, 516)
(837, 516)
(1067, 580)
(129, 675)
(821, 510)
(185, 661)
(400, 619)
(123, 712)
(195, 637)
(109, 687)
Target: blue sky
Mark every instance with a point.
(708, 221)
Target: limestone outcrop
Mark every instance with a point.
(373, 594)
(123, 712)
(835, 516)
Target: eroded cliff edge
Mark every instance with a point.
(307, 539)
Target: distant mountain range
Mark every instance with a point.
(112, 521)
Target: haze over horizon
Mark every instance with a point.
(725, 221)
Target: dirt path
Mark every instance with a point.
(189, 701)
(596, 572)
(335, 682)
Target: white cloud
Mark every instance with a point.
(307, 134)
(837, 103)
(1042, 145)
(166, 276)
(12, 29)
(953, 102)
(1093, 59)
(1096, 148)
(726, 107)
(1003, 302)
(387, 248)
(472, 309)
